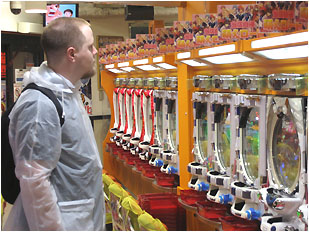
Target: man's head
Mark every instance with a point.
(70, 41)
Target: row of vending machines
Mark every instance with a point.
(249, 140)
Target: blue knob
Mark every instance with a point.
(253, 214)
(226, 198)
(270, 199)
(158, 163)
(203, 186)
(273, 228)
(172, 170)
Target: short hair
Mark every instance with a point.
(62, 33)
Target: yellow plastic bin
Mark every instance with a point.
(131, 210)
(107, 181)
(148, 223)
(117, 194)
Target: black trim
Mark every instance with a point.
(98, 117)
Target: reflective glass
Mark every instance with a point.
(139, 118)
(286, 151)
(202, 128)
(224, 137)
(172, 124)
(250, 144)
(129, 111)
(149, 117)
(159, 124)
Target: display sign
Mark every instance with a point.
(183, 35)
(3, 65)
(165, 40)
(237, 22)
(276, 16)
(60, 10)
(205, 29)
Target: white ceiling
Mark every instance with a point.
(102, 10)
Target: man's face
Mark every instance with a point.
(85, 56)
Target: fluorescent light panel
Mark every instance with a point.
(280, 40)
(113, 70)
(217, 50)
(147, 67)
(166, 66)
(138, 62)
(193, 63)
(157, 59)
(110, 66)
(35, 7)
(228, 59)
(183, 55)
(127, 69)
(124, 64)
(285, 53)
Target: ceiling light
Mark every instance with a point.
(124, 64)
(228, 59)
(147, 67)
(183, 55)
(193, 63)
(280, 40)
(285, 53)
(217, 50)
(157, 59)
(138, 62)
(110, 66)
(35, 7)
(128, 69)
(113, 70)
(166, 66)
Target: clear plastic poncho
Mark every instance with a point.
(59, 168)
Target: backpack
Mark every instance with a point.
(9, 182)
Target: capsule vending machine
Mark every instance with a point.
(137, 116)
(223, 113)
(116, 109)
(170, 153)
(201, 133)
(250, 148)
(129, 101)
(122, 116)
(159, 95)
(147, 137)
(286, 154)
(302, 212)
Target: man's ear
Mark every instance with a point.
(71, 54)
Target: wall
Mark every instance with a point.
(9, 21)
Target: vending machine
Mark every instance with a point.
(138, 117)
(250, 147)
(171, 140)
(223, 123)
(116, 109)
(147, 137)
(201, 133)
(286, 155)
(129, 98)
(159, 95)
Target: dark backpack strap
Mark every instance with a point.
(50, 94)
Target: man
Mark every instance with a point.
(59, 168)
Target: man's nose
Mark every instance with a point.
(95, 51)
